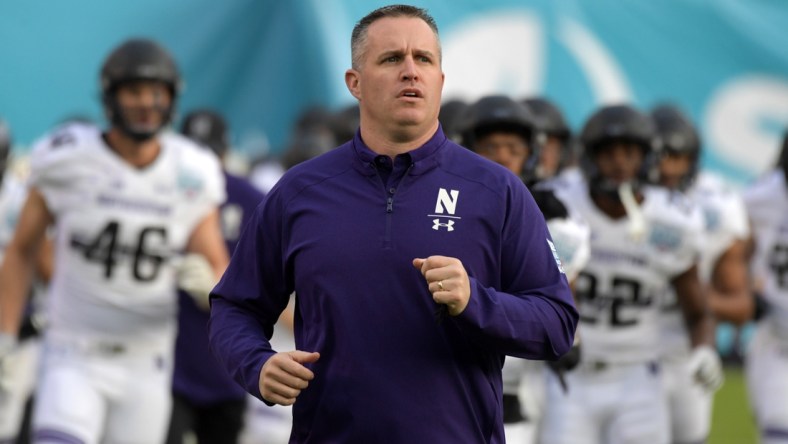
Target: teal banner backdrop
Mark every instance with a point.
(261, 62)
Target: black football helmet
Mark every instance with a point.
(501, 113)
(610, 124)
(345, 123)
(207, 128)
(677, 135)
(5, 147)
(135, 60)
(549, 117)
(551, 122)
(450, 114)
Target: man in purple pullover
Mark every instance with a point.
(205, 400)
(417, 265)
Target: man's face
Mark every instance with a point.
(672, 168)
(144, 104)
(619, 161)
(507, 149)
(399, 81)
(550, 157)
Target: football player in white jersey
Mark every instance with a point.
(766, 362)
(722, 268)
(125, 204)
(642, 240)
(507, 132)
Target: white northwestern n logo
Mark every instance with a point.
(446, 202)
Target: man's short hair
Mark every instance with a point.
(359, 37)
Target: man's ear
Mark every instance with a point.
(353, 82)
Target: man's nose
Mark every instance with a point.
(409, 71)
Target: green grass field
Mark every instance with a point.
(732, 421)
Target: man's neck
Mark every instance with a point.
(391, 144)
(138, 154)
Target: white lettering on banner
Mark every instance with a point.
(517, 69)
(745, 119)
(742, 120)
(607, 79)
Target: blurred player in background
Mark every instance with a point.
(344, 122)
(18, 369)
(767, 355)
(506, 132)
(124, 204)
(556, 153)
(642, 239)
(450, 117)
(206, 401)
(722, 268)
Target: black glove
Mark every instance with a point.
(761, 307)
(551, 206)
(512, 410)
(568, 361)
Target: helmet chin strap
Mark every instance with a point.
(119, 120)
(138, 136)
(637, 222)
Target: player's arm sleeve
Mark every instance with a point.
(51, 172)
(249, 298)
(533, 315)
(693, 238)
(736, 217)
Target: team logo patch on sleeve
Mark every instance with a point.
(555, 256)
(665, 237)
(190, 183)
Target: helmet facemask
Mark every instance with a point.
(602, 184)
(678, 137)
(616, 124)
(138, 61)
(123, 117)
(500, 114)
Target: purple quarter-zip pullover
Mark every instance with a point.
(390, 370)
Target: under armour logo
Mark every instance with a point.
(437, 224)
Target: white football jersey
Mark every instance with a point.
(571, 235)
(767, 205)
(725, 221)
(118, 229)
(618, 291)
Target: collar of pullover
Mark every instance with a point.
(424, 158)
